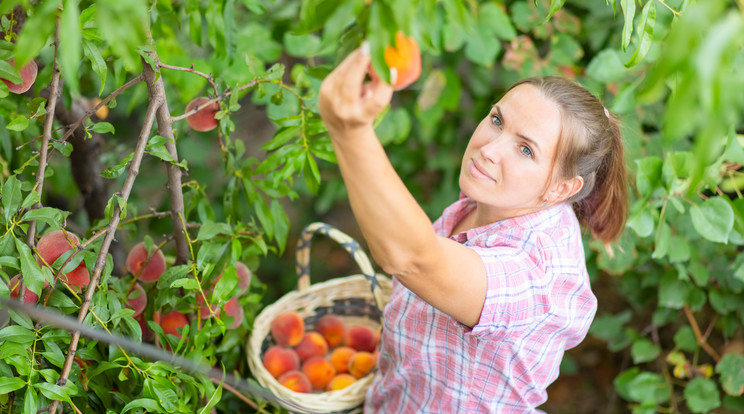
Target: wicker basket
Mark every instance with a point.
(357, 299)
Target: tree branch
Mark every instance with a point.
(701, 340)
(156, 90)
(155, 104)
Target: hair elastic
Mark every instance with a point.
(607, 113)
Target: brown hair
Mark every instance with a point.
(590, 146)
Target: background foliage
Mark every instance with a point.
(668, 336)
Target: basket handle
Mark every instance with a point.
(349, 244)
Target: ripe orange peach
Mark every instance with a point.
(172, 321)
(203, 119)
(28, 74)
(362, 338)
(52, 245)
(332, 328)
(340, 381)
(280, 359)
(361, 364)
(319, 371)
(312, 344)
(288, 328)
(405, 58)
(340, 357)
(149, 266)
(137, 300)
(296, 381)
(233, 309)
(103, 111)
(14, 284)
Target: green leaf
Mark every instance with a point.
(643, 350)
(186, 283)
(19, 123)
(103, 128)
(172, 274)
(11, 197)
(713, 219)
(70, 45)
(64, 147)
(8, 384)
(48, 215)
(701, 395)
(555, 5)
(36, 31)
(146, 403)
(9, 72)
(731, 369)
(53, 391)
(29, 401)
(673, 293)
(648, 21)
(118, 169)
(96, 61)
(17, 334)
(628, 7)
(33, 277)
(685, 339)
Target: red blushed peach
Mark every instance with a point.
(279, 359)
(296, 381)
(288, 328)
(312, 344)
(244, 274)
(149, 266)
(28, 74)
(15, 289)
(340, 357)
(361, 364)
(362, 338)
(172, 321)
(332, 328)
(233, 309)
(319, 371)
(137, 300)
(52, 245)
(203, 119)
(340, 381)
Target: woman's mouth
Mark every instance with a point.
(478, 172)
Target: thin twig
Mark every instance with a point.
(675, 12)
(134, 165)
(238, 394)
(191, 69)
(701, 340)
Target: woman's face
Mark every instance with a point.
(509, 158)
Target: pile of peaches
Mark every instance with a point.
(329, 357)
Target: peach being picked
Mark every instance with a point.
(288, 328)
(150, 266)
(405, 58)
(203, 119)
(52, 245)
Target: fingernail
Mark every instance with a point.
(365, 48)
(393, 75)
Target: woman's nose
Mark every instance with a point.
(492, 151)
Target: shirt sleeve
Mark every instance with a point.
(518, 291)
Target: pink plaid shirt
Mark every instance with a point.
(538, 304)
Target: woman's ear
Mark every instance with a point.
(565, 189)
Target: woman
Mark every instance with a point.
(486, 300)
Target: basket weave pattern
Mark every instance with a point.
(357, 299)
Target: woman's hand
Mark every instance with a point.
(347, 103)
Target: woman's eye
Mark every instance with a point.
(526, 151)
(496, 120)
